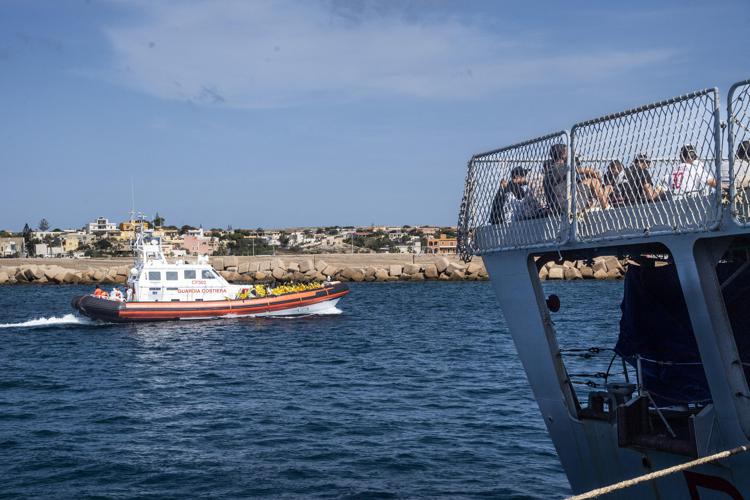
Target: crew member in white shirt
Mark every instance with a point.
(690, 177)
(742, 165)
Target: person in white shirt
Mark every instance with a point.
(128, 294)
(690, 177)
(742, 165)
(116, 294)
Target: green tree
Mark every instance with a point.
(26, 233)
(158, 221)
(103, 244)
(43, 225)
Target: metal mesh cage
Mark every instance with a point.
(738, 114)
(515, 197)
(650, 170)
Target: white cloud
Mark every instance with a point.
(278, 53)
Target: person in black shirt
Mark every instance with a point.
(614, 182)
(640, 186)
(555, 176)
(497, 215)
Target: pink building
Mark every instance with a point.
(199, 245)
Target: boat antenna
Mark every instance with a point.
(132, 195)
(132, 209)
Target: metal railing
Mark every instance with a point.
(647, 170)
(655, 169)
(738, 118)
(516, 197)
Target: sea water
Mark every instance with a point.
(414, 391)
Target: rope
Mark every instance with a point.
(660, 473)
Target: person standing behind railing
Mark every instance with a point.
(690, 177)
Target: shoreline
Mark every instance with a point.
(302, 268)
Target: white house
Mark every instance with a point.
(101, 226)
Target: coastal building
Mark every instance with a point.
(13, 246)
(44, 250)
(396, 234)
(413, 246)
(41, 235)
(171, 233)
(70, 242)
(127, 229)
(101, 226)
(429, 230)
(301, 239)
(442, 245)
(196, 232)
(199, 245)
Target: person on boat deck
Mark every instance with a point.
(588, 182)
(555, 175)
(129, 294)
(589, 187)
(116, 294)
(98, 291)
(496, 210)
(742, 165)
(520, 202)
(614, 182)
(640, 186)
(689, 177)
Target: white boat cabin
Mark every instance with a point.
(153, 279)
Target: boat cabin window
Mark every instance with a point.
(189, 274)
(154, 275)
(171, 275)
(206, 274)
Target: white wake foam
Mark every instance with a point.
(68, 319)
(332, 310)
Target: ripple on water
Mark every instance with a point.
(414, 391)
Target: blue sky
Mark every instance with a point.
(281, 113)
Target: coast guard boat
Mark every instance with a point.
(665, 186)
(160, 290)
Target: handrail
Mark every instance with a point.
(664, 127)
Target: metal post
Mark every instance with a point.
(571, 212)
(695, 262)
(638, 373)
(731, 145)
(717, 160)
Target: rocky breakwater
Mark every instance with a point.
(303, 269)
(236, 270)
(600, 268)
(52, 273)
